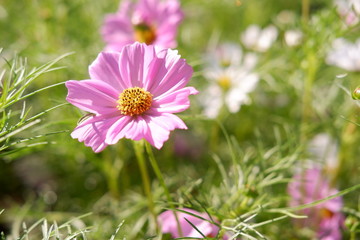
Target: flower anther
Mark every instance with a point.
(144, 33)
(134, 101)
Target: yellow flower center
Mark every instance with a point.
(224, 82)
(225, 63)
(326, 213)
(144, 33)
(134, 101)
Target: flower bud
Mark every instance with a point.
(350, 222)
(356, 93)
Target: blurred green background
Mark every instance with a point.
(64, 178)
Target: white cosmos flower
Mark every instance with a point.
(293, 37)
(259, 39)
(230, 77)
(224, 55)
(349, 10)
(345, 55)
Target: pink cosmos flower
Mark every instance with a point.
(132, 94)
(325, 218)
(148, 21)
(349, 10)
(168, 224)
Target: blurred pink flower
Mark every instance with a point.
(325, 218)
(147, 21)
(168, 224)
(132, 94)
(349, 10)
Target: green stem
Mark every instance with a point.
(138, 147)
(112, 170)
(160, 177)
(352, 235)
(305, 11)
(214, 137)
(312, 65)
(347, 151)
(157, 171)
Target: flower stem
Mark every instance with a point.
(349, 142)
(139, 152)
(157, 171)
(111, 169)
(305, 11)
(312, 65)
(160, 177)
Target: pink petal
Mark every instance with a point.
(165, 16)
(93, 131)
(169, 74)
(147, 11)
(158, 135)
(174, 102)
(154, 129)
(203, 228)
(117, 30)
(117, 46)
(140, 129)
(114, 25)
(167, 39)
(119, 129)
(155, 61)
(92, 96)
(168, 20)
(169, 121)
(132, 64)
(160, 126)
(125, 7)
(135, 128)
(168, 224)
(106, 68)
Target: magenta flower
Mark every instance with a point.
(325, 218)
(132, 94)
(168, 224)
(147, 21)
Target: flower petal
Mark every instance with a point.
(212, 100)
(106, 68)
(146, 11)
(119, 129)
(169, 224)
(139, 129)
(116, 28)
(170, 73)
(93, 132)
(117, 31)
(160, 126)
(132, 61)
(92, 96)
(234, 99)
(170, 16)
(174, 102)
